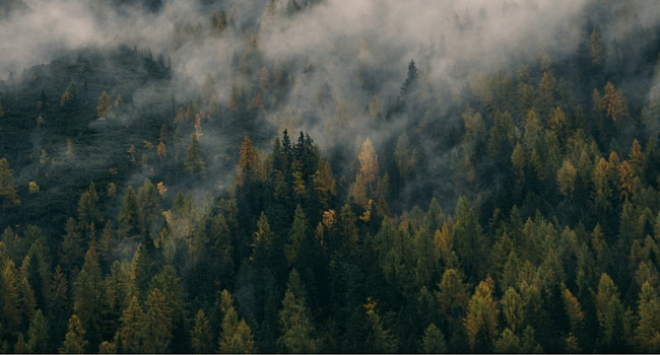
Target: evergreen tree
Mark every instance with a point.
(297, 327)
(157, 326)
(104, 107)
(38, 338)
(130, 333)
(72, 246)
(236, 337)
(88, 211)
(7, 186)
(433, 341)
(647, 333)
(201, 334)
(129, 215)
(89, 303)
(194, 163)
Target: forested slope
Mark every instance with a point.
(272, 204)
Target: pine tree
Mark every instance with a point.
(647, 333)
(69, 95)
(104, 107)
(595, 48)
(433, 341)
(297, 327)
(150, 210)
(12, 312)
(129, 215)
(468, 240)
(615, 102)
(72, 246)
(89, 296)
(513, 309)
(297, 235)
(411, 79)
(7, 186)
(200, 335)
(130, 333)
(88, 211)
(248, 163)
(566, 178)
(194, 163)
(74, 342)
(236, 337)
(481, 319)
(157, 326)
(379, 339)
(38, 338)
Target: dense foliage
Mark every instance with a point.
(539, 233)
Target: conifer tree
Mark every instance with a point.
(129, 215)
(72, 246)
(13, 312)
(150, 209)
(74, 342)
(236, 336)
(104, 107)
(38, 338)
(89, 295)
(379, 339)
(157, 326)
(297, 327)
(202, 340)
(130, 333)
(481, 319)
(647, 333)
(7, 186)
(297, 235)
(88, 211)
(248, 162)
(69, 95)
(194, 163)
(433, 341)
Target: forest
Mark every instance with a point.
(291, 176)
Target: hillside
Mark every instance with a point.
(280, 176)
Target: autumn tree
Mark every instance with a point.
(481, 319)
(236, 336)
(157, 326)
(130, 333)
(615, 102)
(201, 338)
(248, 163)
(104, 107)
(69, 95)
(367, 176)
(74, 342)
(647, 333)
(566, 178)
(379, 339)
